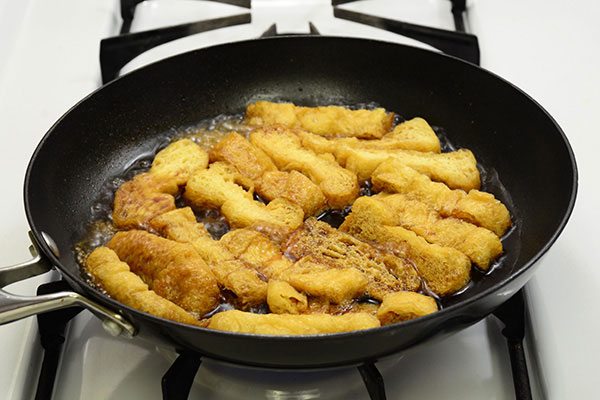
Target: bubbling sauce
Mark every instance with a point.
(209, 132)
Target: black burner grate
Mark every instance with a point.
(117, 51)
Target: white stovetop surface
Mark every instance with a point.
(49, 60)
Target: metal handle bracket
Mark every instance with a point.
(14, 307)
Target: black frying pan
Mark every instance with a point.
(506, 130)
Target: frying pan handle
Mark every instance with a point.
(14, 307)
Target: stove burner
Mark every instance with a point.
(272, 31)
(177, 381)
(128, 10)
(52, 327)
(458, 44)
(116, 52)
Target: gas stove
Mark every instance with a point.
(51, 60)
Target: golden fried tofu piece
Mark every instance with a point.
(220, 183)
(244, 282)
(339, 285)
(457, 169)
(445, 270)
(476, 207)
(329, 246)
(179, 161)
(139, 200)
(339, 185)
(322, 305)
(282, 298)
(249, 160)
(415, 134)
(402, 306)
(180, 225)
(295, 187)
(290, 324)
(221, 186)
(115, 277)
(331, 121)
(152, 193)
(270, 183)
(253, 248)
(173, 270)
(481, 245)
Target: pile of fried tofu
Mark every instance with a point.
(409, 242)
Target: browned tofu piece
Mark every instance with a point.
(249, 160)
(150, 194)
(139, 200)
(339, 185)
(330, 121)
(402, 306)
(222, 186)
(329, 246)
(114, 276)
(254, 249)
(282, 298)
(476, 207)
(290, 324)
(320, 305)
(457, 169)
(295, 187)
(339, 285)
(481, 245)
(415, 134)
(445, 270)
(270, 183)
(179, 161)
(244, 282)
(173, 270)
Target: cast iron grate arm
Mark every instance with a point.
(458, 44)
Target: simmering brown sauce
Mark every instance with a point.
(209, 132)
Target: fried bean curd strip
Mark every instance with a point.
(123, 285)
(173, 270)
(221, 186)
(289, 324)
(254, 249)
(445, 270)
(295, 187)
(481, 245)
(415, 134)
(339, 285)
(249, 160)
(457, 169)
(330, 121)
(327, 245)
(321, 305)
(270, 183)
(282, 298)
(339, 185)
(179, 161)
(244, 282)
(402, 306)
(152, 193)
(476, 207)
(139, 200)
